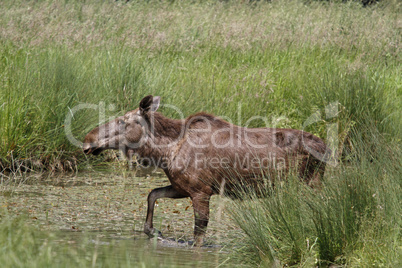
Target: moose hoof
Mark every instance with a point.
(156, 233)
(152, 232)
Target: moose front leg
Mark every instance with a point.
(201, 215)
(155, 194)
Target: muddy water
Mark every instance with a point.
(110, 208)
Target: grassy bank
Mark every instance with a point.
(282, 61)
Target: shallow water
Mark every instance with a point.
(139, 248)
(109, 208)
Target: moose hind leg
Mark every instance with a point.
(163, 192)
(311, 171)
(201, 215)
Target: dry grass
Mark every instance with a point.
(183, 26)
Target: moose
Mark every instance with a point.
(203, 155)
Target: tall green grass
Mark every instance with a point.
(280, 60)
(354, 220)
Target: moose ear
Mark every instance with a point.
(155, 103)
(149, 103)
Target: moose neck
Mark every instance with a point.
(163, 135)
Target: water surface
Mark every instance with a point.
(108, 209)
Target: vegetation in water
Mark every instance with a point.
(96, 219)
(280, 60)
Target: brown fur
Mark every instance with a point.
(203, 154)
